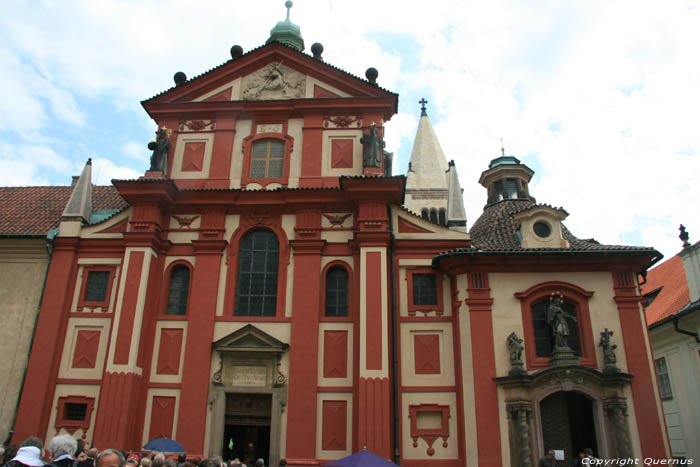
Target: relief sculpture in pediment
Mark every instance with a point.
(274, 81)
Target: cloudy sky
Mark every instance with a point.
(600, 98)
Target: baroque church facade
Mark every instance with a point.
(268, 281)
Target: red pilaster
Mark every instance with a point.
(303, 358)
(192, 416)
(37, 394)
(634, 332)
(220, 168)
(311, 151)
(488, 436)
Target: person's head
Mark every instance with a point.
(158, 460)
(260, 463)
(110, 458)
(170, 463)
(92, 453)
(588, 451)
(32, 441)
(61, 445)
(550, 454)
(283, 462)
(133, 459)
(146, 462)
(181, 458)
(9, 454)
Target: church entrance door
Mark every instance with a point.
(247, 427)
(568, 424)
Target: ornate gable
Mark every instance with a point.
(250, 339)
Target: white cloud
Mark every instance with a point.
(104, 171)
(137, 151)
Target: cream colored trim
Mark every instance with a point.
(409, 377)
(324, 326)
(131, 367)
(364, 372)
(235, 85)
(93, 231)
(243, 130)
(333, 396)
(149, 409)
(349, 260)
(342, 236)
(295, 130)
(183, 237)
(231, 224)
(328, 136)
(80, 324)
(182, 140)
(419, 452)
(65, 390)
(99, 261)
(438, 231)
(470, 428)
(171, 259)
(310, 87)
(415, 262)
(155, 377)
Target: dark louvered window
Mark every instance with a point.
(179, 289)
(544, 338)
(663, 377)
(267, 159)
(97, 283)
(424, 289)
(258, 260)
(337, 292)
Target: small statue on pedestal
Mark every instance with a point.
(515, 351)
(160, 148)
(609, 358)
(373, 148)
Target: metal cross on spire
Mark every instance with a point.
(422, 103)
(289, 5)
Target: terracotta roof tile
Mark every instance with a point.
(674, 294)
(34, 210)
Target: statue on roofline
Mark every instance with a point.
(373, 148)
(160, 148)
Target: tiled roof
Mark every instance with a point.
(496, 229)
(34, 210)
(669, 276)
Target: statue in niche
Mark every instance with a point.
(373, 148)
(515, 351)
(609, 357)
(160, 148)
(558, 320)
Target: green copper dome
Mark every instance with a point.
(287, 32)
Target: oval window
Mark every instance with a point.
(542, 229)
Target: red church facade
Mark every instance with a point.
(268, 287)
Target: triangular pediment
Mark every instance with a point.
(271, 72)
(250, 339)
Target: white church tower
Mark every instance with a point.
(432, 186)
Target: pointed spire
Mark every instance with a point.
(456, 214)
(428, 162)
(79, 205)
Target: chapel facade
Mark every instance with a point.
(268, 281)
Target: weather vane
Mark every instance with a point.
(503, 150)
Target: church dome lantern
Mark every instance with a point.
(287, 32)
(506, 178)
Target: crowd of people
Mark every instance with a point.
(65, 451)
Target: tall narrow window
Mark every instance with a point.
(337, 292)
(179, 289)
(256, 288)
(267, 159)
(664, 380)
(96, 290)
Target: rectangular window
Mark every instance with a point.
(97, 284)
(664, 379)
(75, 412)
(267, 159)
(424, 289)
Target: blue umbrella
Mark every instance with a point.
(164, 445)
(362, 458)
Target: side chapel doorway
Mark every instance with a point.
(568, 423)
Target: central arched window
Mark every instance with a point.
(267, 159)
(337, 292)
(258, 261)
(544, 339)
(179, 289)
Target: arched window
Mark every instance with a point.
(433, 216)
(441, 215)
(337, 292)
(179, 289)
(267, 159)
(425, 214)
(256, 288)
